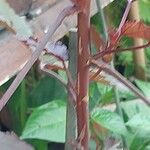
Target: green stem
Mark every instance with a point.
(23, 104)
(71, 124)
(102, 17)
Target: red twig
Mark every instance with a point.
(106, 52)
(40, 46)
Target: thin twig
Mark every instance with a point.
(125, 15)
(40, 46)
(70, 79)
(103, 53)
(55, 75)
(122, 79)
(104, 25)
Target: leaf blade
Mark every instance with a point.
(46, 121)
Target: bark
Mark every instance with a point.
(83, 75)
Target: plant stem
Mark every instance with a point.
(119, 109)
(102, 17)
(83, 74)
(55, 76)
(23, 104)
(40, 46)
(71, 122)
(125, 15)
(103, 53)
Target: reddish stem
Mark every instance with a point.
(83, 73)
(107, 51)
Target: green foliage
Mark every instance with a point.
(109, 120)
(17, 107)
(132, 108)
(138, 124)
(45, 90)
(94, 94)
(125, 57)
(144, 10)
(12, 21)
(144, 87)
(47, 122)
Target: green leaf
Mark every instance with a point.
(140, 123)
(132, 108)
(47, 122)
(94, 95)
(109, 120)
(144, 86)
(11, 20)
(144, 10)
(46, 89)
(107, 94)
(125, 57)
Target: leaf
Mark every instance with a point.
(94, 95)
(47, 122)
(46, 90)
(144, 86)
(136, 29)
(132, 108)
(96, 38)
(10, 20)
(109, 120)
(140, 123)
(107, 94)
(144, 10)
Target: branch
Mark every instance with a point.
(103, 53)
(125, 15)
(103, 22)
(122, 79)
(40, 46)
(55, 75)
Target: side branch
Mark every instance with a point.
(107, 51)
(40, 46)
(122, 79)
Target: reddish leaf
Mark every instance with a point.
(96, 38)
(136, 29)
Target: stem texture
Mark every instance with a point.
(83, 75)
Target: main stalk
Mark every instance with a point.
(83, 73)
